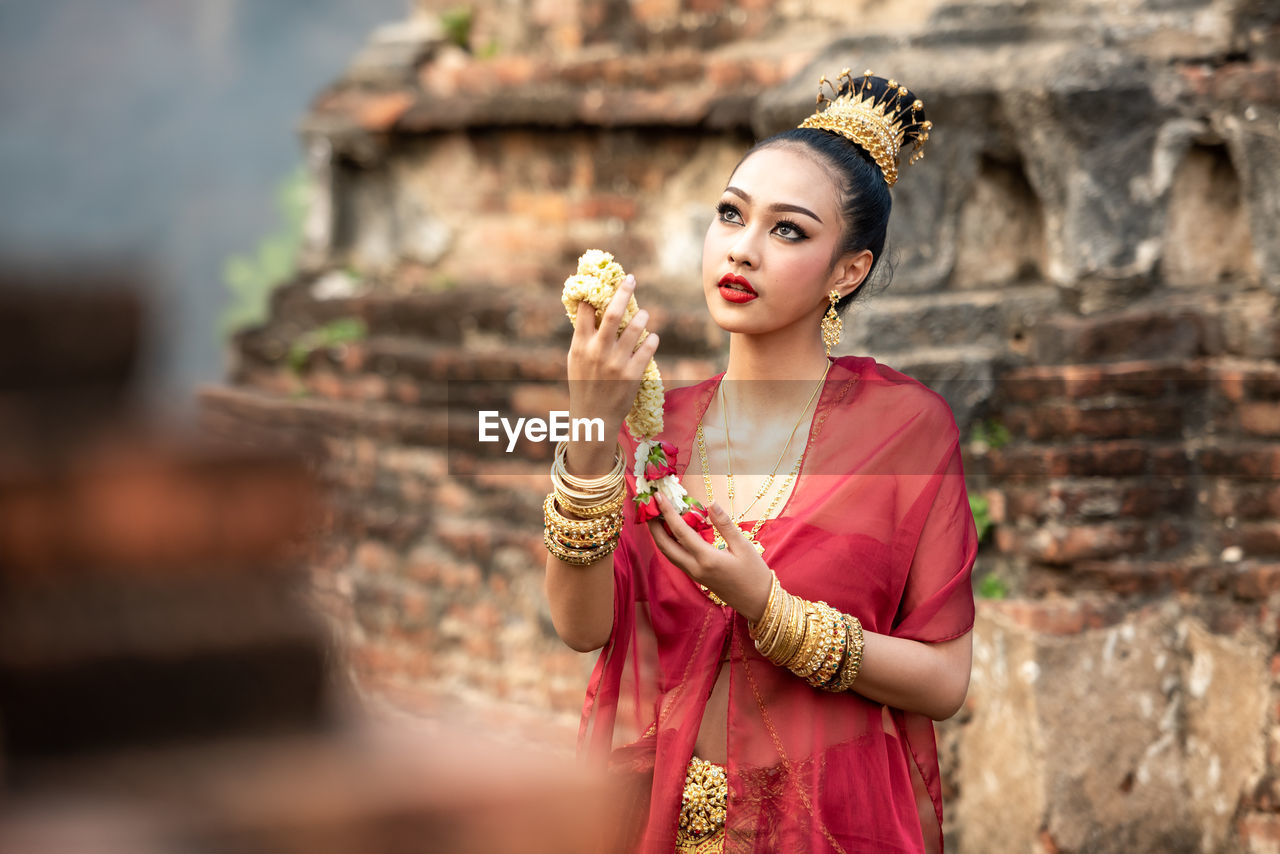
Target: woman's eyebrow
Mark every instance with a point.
(777, 206)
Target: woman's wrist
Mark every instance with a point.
(811, 639)
(760, 598)
(591, 459)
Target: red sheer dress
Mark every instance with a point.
(878, 525)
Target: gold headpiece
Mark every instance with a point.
(877, 124)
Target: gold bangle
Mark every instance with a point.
(794, 635)
(816, 647)
(591, 511)
(776, 618)
(808, 638)
(606, 491)
(813, 640)
(833, 680)
(853, 661)
(588, 541)
(561, 457)
(553, 518)
(803, 637)
(842, 669)
(775, 640)
(832, 649)
(574, 556)
(769, 617)
(564, 546)
(587, 485)
(607, 529)
(579, 541)
(772, 621)
(618, 492)
(584, 503)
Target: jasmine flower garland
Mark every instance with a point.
(596, 282)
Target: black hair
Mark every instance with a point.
(865, 202)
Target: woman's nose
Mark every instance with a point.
(743, 251)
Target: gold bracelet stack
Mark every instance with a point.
(596, 501)
(811, 639)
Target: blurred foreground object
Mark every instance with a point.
(164, 685)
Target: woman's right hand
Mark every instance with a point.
(605, 369)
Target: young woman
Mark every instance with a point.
(770, 684)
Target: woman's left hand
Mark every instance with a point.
(737, 574)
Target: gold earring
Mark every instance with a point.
(832, 325)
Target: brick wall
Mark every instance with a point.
(1087, 266)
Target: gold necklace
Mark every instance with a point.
(719, 541)
(728, 461)
(728, 450)
(706, 471)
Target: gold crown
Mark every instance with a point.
(877, 124)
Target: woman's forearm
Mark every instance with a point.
(929, 678)
(581, 597)
(581, 600)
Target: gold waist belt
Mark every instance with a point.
(702, 809)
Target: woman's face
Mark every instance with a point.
(777, 227)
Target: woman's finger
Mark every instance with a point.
(612, 317)
(631, 335)
(668, 546)
(685, 536)
(640, 358)
(735, 539)
(585, 325)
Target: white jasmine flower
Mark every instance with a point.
(673, 491)
(596, 282)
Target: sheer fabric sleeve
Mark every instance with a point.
(600, 708)
(937, 602)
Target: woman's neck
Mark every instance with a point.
(773, 358)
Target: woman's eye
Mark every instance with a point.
(790, 230)
(728, 212)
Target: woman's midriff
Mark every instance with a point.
(713, 735)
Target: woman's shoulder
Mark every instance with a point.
(690, 394)
(890, 391)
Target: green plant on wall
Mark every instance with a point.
(344, 330)
(456, 23)
(981, 509)
(991, 586)
(990, 434)
(252, 277)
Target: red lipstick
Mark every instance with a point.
(736, 289)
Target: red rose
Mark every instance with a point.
(694, 518)
(669, 453)
(654, 471)
(647, 507)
